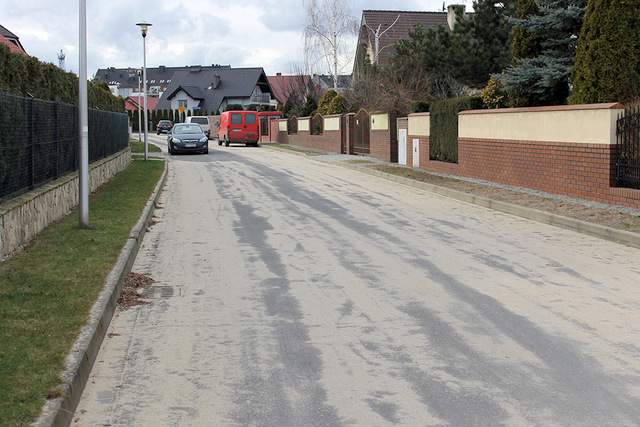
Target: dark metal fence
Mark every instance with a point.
(292, 125)
(362, 143)
(628, 164)
(39, 141)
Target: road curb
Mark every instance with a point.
(78, 364)
(594, 230)
(583, 227)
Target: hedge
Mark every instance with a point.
(27, 76)
(444, 126)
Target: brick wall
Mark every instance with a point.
(575, 169)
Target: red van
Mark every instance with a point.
(239, 126)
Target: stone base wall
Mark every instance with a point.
(25, 216)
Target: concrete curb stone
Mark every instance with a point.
(78, 364)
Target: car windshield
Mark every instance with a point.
(165, 122)
(187, 129)
(201, 120)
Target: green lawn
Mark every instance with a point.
(46, 291)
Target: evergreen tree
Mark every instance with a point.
(525, 45)
(310, 106)
(481, 45)
(547, 75)
(338, 105)
(607, 67)
(478, 46)
(323, 104)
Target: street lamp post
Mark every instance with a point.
(139, 108)
(83, 161)
(143, 28)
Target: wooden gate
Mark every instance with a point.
(361, 141)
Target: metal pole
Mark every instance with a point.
(139, 110)
(83, 169)
(144, 84)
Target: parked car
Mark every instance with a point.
(203, 121)
(239, 126)
(164, 126)
(185, 137)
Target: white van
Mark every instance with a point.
(203, 121)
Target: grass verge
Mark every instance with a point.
(307, 151)
(138, 147)
(46, 292)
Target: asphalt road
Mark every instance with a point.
(291, 292)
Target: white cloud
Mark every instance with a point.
(240, 33)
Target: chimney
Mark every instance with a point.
(278, 74)
(216, 81)
(451, 14)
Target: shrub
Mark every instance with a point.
(494, 96)
(230, 107)
(338, 105)
(323, 104)
(444, 126)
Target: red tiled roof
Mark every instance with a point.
(131, 102)
(12, 46)
(282, 86)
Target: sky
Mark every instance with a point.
(239, 33)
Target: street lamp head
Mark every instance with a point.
(143, 27)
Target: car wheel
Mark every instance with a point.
(206, 151)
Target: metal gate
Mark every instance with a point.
(361, 140)
(628, 148)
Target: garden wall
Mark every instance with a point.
(25, 216)
(567, 150)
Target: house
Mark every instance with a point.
(325, 82)
(125, 82)
(209, 89)
(284, 87)
(132, 103)
(11, 40)
(380, 29)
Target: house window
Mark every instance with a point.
(182, 103)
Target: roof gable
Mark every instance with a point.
(212, 86)
(11, 40)
(284, 86)
(391, 26)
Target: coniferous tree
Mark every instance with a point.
(479, 45)
(323, 104)
(548, 75)
(310, 106)
(525, 45)
(607, 67)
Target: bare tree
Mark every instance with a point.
(327, 34)
(377, 34)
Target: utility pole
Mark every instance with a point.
(83, 167)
